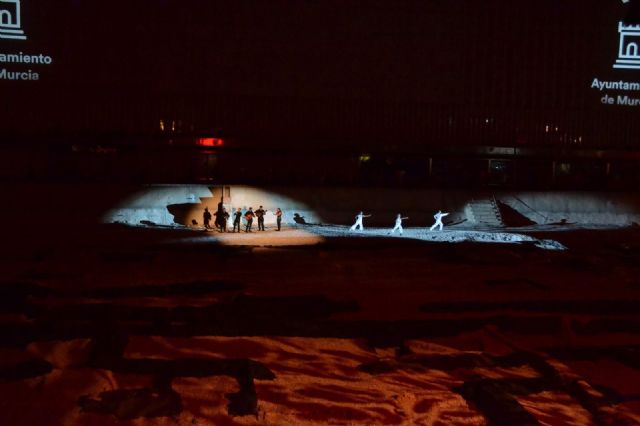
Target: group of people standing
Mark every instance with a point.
(398, 225)
(222, 216)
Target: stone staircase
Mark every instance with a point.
(484, 211)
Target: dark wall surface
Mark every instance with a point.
(417, 71)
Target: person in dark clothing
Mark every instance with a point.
(260, 215)
(216, 222)
(220, 218)
(248, 216)
(278, 217)
(237, 217)
(223, 221)
(206, 218)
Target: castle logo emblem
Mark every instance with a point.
(629, 51)
(10, 25)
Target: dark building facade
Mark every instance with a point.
(407, 84)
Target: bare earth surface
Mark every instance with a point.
(112, 325)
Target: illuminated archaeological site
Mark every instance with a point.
(320, 212)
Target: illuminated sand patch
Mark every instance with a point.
(183, 205)
(445, 236)
(315, 234)
(286, 237)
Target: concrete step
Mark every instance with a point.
(485, 212)
(487, 217)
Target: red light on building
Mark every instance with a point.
(209, 142)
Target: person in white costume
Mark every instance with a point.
(438, 217)
(358, 223)
(398, 226)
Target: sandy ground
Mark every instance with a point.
(113, 325)
(299, 235)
